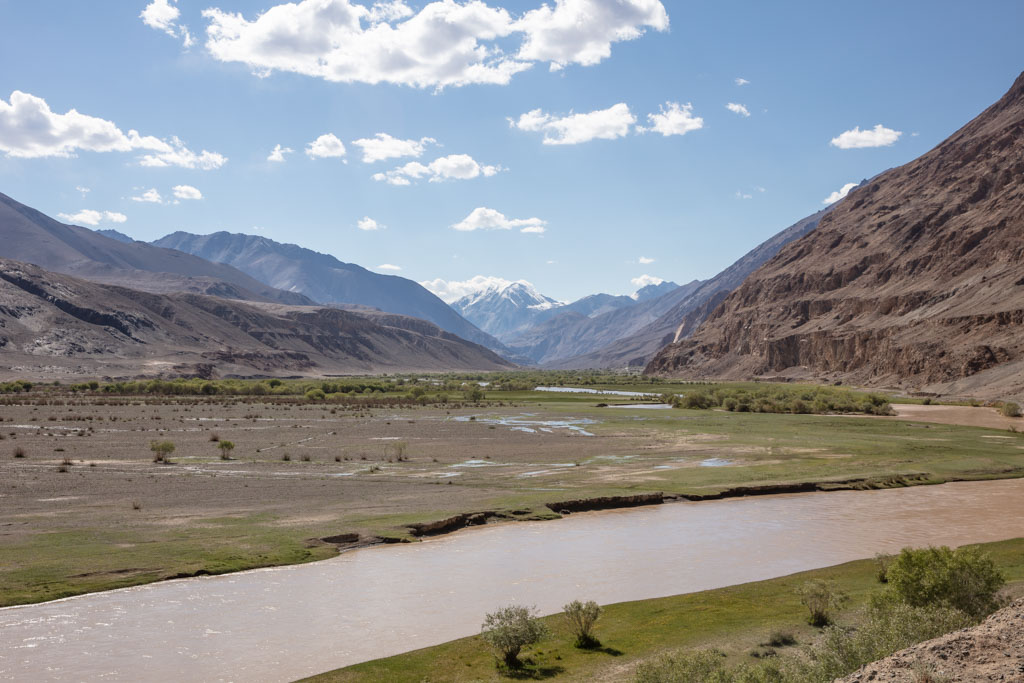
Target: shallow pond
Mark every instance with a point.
(282, 624)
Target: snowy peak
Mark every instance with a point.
(503, 307)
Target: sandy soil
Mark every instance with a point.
(958, 415)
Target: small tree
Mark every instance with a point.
(964, 579)
(821, 598)
(1011, 409)
(581, 617)
(225, 449)
(510, 629)
(161, 451)
(474, 395)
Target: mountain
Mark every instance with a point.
(654, 291)
(915, 280)
(32, 237)
(54, 325)
(503, 309)
(679, 321)
(325, 279)
(115, 235)
(568, 333)
(596, 304)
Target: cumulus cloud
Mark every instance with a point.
(451, 167)
(645, 260)
(879, 136)
(738, 109)
(482, 218)
(645, 280)
(91, 217)
(151, 196)
(452, 290)
(839, 194)
(741, 81)
(368, 224)
(383, 146)
(29, 129)
(326, 146)
(83, 190)
(163, 16)
(582, 31)
(277, 154)
(187, 192)
(445, 43)
(388, 266)
(605, 124)
(674, 119)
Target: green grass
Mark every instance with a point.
(60, 564)
(735, 619)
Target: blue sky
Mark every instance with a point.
(688, 203)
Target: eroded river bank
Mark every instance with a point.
(281, 624)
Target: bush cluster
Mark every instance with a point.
(782, 399)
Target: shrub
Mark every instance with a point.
(685, 667)
(161, 451)
(510, 629)
(225, 449)
(19, 452)
(581, 617)
(821, 598)
(1010, 409)
(315, 395)
(964, 579)
(780, 639)
(882, 562)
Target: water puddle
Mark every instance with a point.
(527, 423)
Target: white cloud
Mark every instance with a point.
(325, 147)
(482, 218)
(83, 190)
(277, 154)
(163, 16)
(645, 280)
(582, 31)
(605, 124)
(451, 167)
(29, 129)
(388, 266)
(879, 136)
(445, 43)
(453, 290)
(151, 196)
(738, 109)
(368, 224)
(383, 146)
(741, 81)
(645, 260)
(91, 217)
(743, 195)
(839, 194)
(674, 119)
(187, 192)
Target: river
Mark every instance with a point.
(284, 623)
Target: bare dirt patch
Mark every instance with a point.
(967, 416)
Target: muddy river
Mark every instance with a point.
(282, 624)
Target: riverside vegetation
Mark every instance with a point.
(374, 457)
(751, 633)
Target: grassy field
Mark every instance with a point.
(87, 509)
(737, 620)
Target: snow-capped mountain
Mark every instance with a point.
(503, 307)
(654, 290)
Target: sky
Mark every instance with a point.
(581, 145)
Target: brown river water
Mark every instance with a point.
(284, 623)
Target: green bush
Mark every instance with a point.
(1010, 409)
(510, 629)
(581, 618)
(964, 579)
(161, 451)
(821, 598)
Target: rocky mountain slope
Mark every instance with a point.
(990, 651)
(569, 333)
(502, 310)
(679, 321)
(915, 280)
(325, 279)
(55, 326)
(32, 237)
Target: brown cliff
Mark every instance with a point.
(915, 280)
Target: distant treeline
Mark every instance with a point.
(781, 398)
